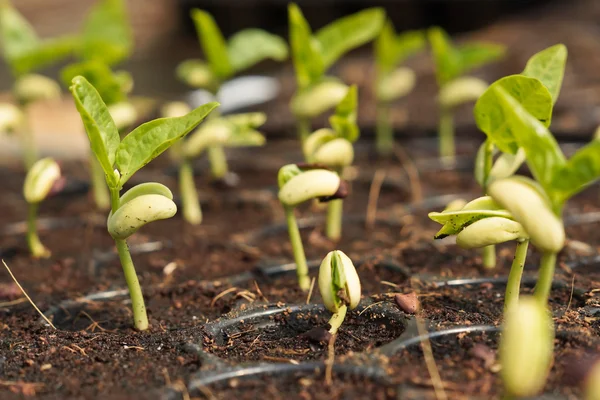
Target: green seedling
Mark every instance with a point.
(333, 149)
(339, 286)
(526, 348)
(482, 223)
(393, 82)
(120, 160)
(298, 184)
(314, 54)
(224, 59)
(237, 130)
(537, 89)
(451, 63)
(41, 181)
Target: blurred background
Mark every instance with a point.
(164, 36)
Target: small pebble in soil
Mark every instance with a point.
(407, 302)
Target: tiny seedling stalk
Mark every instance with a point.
(189, 196)
(337, 319)
(298, 249)
(38, 250)
(218, 162)
(333, 228)
(99, 187)
(446, 132)
(384, 134)
(304, 127)
(513, 286)
(546, 274)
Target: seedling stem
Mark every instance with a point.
(189, 196)
(218, 162)
(446, 132)
(333, 228)
(385, 134)
(511, 297)
(546, 274)
(298, 249)
(38, 250)
(337, 319)
(99, 188)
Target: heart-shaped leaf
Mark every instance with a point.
(250, 46)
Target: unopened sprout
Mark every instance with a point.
(451, 63)
(313, 54)
(42, 179)
(339, 286)
(392, 82)
(334, 149)
(296, 186)
(235, 130)
(120, 159)
(482, 223)
(526, 348)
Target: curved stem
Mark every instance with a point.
(513, 286)
(384, 135)
(28, 142)
(218, 162)
(337, 319)
(446, 133)
(99, 187)
(304, 127)
(140, 319)
(489, 256)
(546, 275)
(333, 227)
(192, 212)
(38, 250)
(298, 249)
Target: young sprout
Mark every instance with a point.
(225, 59)
(314, 54)
(541, 80)
(451, 63)
(333, 149)
(481, 223)
(339, 286)
(526, 348)
(229, 131)
(41, 181)
(120, 159)
(298, 184)
(392, 82)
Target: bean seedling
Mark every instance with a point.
(229, 131)
(451, 63)
(333, 148)
(225, 59)
(43, 179)
(339, 286)
(392, 82)
(298, 184)
(314, 54)
(120, 159)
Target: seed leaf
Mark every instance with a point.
(455, 221)
(580, 171)
(149, 140)
(391, 50)
(250, 46)
(99, 125)
(306, 55)
(213, 44)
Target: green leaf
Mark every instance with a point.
(48, 52)
(99, 125)
(447, 60)
(107, 35)
(543, 154)
(549, 67)
(347, 33)
(286, 173)
(344, 119)
(493, 120)
(456, 221)
(305, 49)
(149, 140)
(251, 46)
(213, 44)
(107, 83)
(391, 50)
(580, 171)
(473, 55)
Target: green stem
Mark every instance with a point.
(38, 250)
(446, 132)
(513, 286)
(29, 148)
(384, 135)
(218, 162)
(192, 212)
(304, 127)
(140, 318)
(99, 187)
(546, 275)
(298, 249)
(333, 228)
(489, 257)
(337, 319)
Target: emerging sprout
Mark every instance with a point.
(339, 286)
(297, 185)
(314, 54)
(393, 82)
(482, 223)
(120, 159)
(451, 63)
(333, 149)
(526, 348)
(41, 181)
(229, 131)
